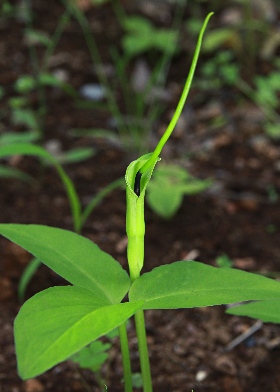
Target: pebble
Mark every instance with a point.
(6, 289)
(53, 146)
(225, 365)
(61, 74)
(231, 16)
(121, 245)
(262, 145)
(201, 375)
(93, 92)
(245, 263)
(140, 75)
(84, 5)
(191, 255)
(33, 385)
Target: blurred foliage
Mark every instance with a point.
(241, 54)
(141, 36)
(168, 186)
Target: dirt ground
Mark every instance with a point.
(238, 216)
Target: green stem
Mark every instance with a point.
(151, 162)
(143, 351)
(96, 200)
(41, 112)
(125, 358)
(62, 23)
(137, 244)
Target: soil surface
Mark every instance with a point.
(221, 137)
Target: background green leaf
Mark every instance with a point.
(11, 172)
(168, 186)
(164, 200)
(73, 257)
(18, 137)
(26, 276)
(93, 356)
(75, 155)
(188, 284)
(268, 311)
(39, 152)
(142, 36)
(57, 322)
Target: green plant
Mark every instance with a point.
(7, 9)
(22, 109)
(168, 186)
(272, 194)
(79, 217)
(11, 138)
(224, 261)
(247, 35)
(234, 66)
(223, 71)
(57, 322)
(2, 92)
(94, 356)
(20, 106)
(264, 95)
(268, 310)
(135, 113)
(219, 71)
(141, 36)
(74, 155)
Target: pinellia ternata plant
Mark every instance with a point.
(57, 322)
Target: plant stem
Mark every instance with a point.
(153, 159)
(143, 351)
(97, 199)
(125, 358)
(139, 316)
(63, 21)
(41, 111)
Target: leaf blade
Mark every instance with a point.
(188, 284)
(58, 322)
(73, 257)
(267, 311)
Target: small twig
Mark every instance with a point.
(83, 380)
(245, 335)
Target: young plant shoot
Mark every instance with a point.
(56, 323)
(140, 171)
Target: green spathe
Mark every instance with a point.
(135, 222)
